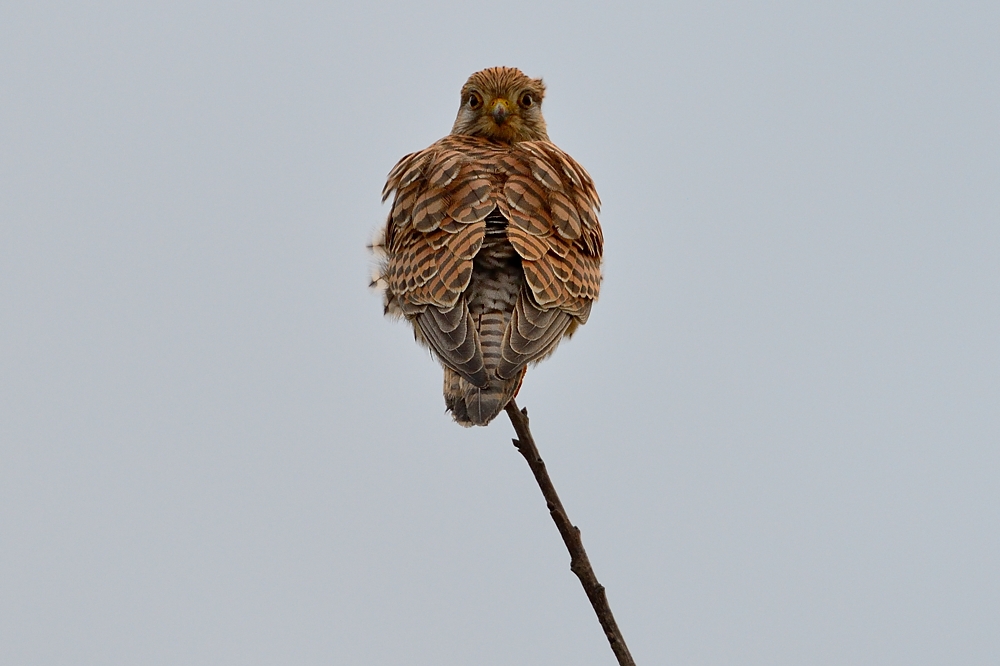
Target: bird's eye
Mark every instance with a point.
(527, 100)
(475, 101)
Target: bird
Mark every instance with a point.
(492, 247)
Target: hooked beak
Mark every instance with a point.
(500, 112)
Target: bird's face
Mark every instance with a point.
(503, 104)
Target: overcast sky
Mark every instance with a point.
(778, 432)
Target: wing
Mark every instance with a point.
(552, 208)
(435, 228)
(437, 225)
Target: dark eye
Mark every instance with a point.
(475, 101)
(527, 100)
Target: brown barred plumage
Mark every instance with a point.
(492, 249)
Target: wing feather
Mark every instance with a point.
(452, 334)
(533, 333)
(436, 227)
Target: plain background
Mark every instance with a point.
(778, 432)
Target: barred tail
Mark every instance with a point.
(478, 405)
(470, 405)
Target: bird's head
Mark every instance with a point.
(503, 104)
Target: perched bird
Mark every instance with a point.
(492, 249)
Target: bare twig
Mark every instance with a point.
(579, 562)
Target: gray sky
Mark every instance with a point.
(778, 432)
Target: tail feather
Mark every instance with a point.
(470, 405)
(497, 279)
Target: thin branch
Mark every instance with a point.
(579, 562)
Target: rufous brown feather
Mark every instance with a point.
(492, 248)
